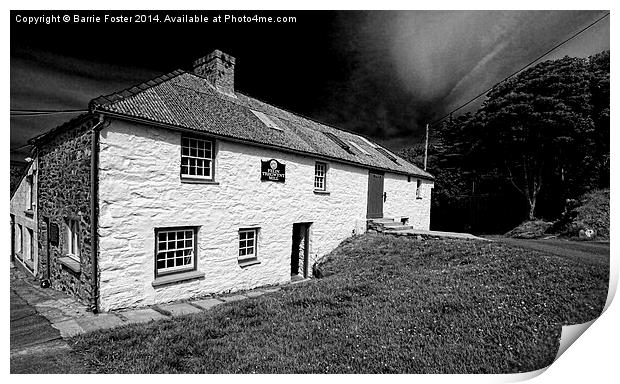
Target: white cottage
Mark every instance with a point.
(181, 187)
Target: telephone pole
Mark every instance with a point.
(426, 148)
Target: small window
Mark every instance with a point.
(196, 158)
(19, 239)
(320, 176)
(73, 238)
(30, 253)
(247, 244)
(175, 250)
(418, 189)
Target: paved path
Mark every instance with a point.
(41, 315)
(35, 343)
(440, 234)
(42, 318)
(28, 328)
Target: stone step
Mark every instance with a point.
(400, 227)
(382, 220)
(392, 224)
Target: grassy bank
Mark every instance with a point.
(386, 305)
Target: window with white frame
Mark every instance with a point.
(19, 241)
(247, 244)
(73, 238)
(196, 158)
(418, 192)
(30, 252)
(175, 250)
(320, 176)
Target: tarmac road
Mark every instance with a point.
(584, 251)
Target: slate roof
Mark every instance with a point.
(185, 100)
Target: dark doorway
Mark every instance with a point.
(300, 250)
(375, 195)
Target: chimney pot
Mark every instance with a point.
(219, 68)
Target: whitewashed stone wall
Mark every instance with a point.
(19, 207)
(402, 200)
(140, 190)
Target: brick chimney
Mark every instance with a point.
(219, 69)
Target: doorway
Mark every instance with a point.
(300, 250)
(375, 195)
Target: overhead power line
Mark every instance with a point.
(44, 112)
(20, 147)
(521, 69)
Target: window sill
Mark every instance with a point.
(248, 262)
(70, 263)
(177, 277)
(197, 180)
(29, 212)
(321, 192)
(29, 264)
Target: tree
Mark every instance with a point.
(541, 137)
(537, 125)
(599, 88)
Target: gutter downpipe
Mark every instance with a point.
(94, 215)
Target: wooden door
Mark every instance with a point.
(375, 195)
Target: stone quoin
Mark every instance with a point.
(182, 187)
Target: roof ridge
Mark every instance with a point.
(134, 89)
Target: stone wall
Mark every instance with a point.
(64, 192)
(25, 217)
(402, 201)
(140, 189)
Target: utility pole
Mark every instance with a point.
(426, 148)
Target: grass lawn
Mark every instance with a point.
(385, 305)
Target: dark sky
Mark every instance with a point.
(381, 73)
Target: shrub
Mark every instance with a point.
(591, 212)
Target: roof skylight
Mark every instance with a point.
(359, 148)
(368, 142)
(266, 120)
(338, 141)
(387, 154)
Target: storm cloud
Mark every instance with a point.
(381, 73)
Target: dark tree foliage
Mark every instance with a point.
(539, 138)
(537, 127)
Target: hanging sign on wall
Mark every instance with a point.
(272, 170)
